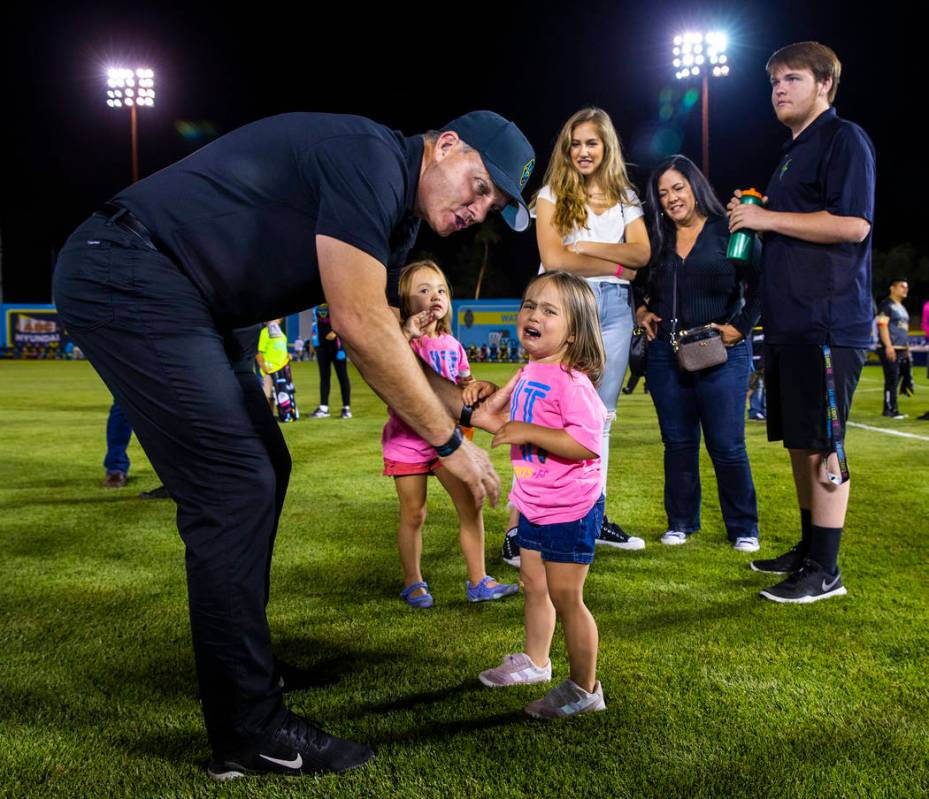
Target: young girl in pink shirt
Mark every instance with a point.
(425, 309)
(555, 435)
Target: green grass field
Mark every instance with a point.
(711, 691)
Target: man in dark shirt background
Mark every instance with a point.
(816, 304)
(151, 288)
(893, 332)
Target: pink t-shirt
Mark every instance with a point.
(549, 489)
(446, 356)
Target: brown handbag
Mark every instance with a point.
(698, 348)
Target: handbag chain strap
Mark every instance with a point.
(675, 345)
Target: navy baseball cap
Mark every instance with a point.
(507, 156)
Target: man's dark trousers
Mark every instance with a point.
(891, 379)
(188, 389)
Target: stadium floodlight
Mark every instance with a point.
(131, 88)
(699, 54)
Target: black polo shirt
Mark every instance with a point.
(820, 293)
(897, 319)
(240, 216)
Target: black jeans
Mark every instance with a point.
(190, 394)
(327, 355)
(891, 379)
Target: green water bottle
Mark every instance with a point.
(741, 242)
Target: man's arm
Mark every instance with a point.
(819, 227)
(490, 414)
(354, 284)
(883, 333)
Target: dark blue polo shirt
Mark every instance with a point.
(240, 216)
(820, 293)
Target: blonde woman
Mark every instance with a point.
(590, 222)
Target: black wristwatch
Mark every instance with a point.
(446, 449)
(465, 419)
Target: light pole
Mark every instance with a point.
(696, 55)
(127, 88)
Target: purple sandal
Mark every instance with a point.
(421, 601)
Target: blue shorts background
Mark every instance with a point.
(563, 542)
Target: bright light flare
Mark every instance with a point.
(695, 49)
(130, 87)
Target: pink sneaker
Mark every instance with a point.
(567, 699)
(516, 670)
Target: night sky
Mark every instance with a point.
(414, 66)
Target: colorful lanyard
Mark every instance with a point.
(833, 427)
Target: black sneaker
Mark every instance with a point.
(810, 584)
(156, 493)
(612, 535)
(292, 678)
(296, 748)
(787, 563)
(510, 551)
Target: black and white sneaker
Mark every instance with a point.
(810, 584)
(292, 678)
(612, 535)
(510, 551)
(787, 563)
(296, 748)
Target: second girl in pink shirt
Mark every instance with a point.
(425, 309)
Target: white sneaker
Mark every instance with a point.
(516, 669)
(567, 699)
(674, 538)
(746, 543)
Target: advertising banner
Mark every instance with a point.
(487, 329)
(32, 326)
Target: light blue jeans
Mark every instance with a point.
(616, 325)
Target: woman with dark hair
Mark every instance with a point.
(689, 233)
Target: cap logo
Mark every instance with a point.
(527, 171)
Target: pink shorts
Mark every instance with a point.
(398, 469)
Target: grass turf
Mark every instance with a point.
(710, 690)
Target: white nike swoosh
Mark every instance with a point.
(830, 586)
(297, 762)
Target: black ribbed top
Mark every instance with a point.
(711, 288)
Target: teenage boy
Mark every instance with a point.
(816, 304)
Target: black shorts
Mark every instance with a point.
(795, 382)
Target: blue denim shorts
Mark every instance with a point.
(564, 542)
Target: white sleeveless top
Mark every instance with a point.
(609, 227)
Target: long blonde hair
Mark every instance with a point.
(585, 353)
(567, 184)
(405, 289)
